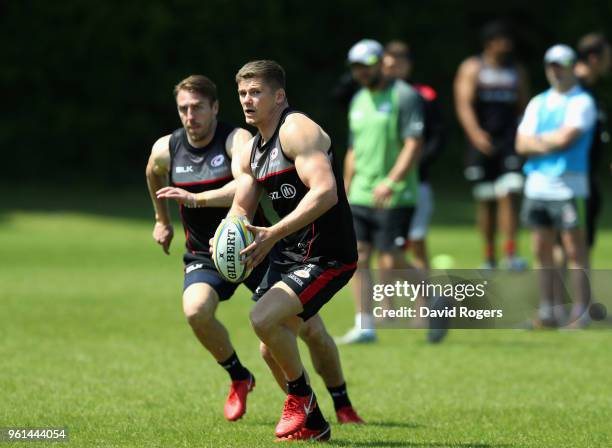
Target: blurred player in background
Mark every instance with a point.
(380, 174)
(592, 66)
(594, 60)
(398, 64)
(201, 158)
(490, 94)
(290, 159)
(556, 134)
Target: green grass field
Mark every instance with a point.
(92, 338)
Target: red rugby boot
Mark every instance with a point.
(295, 413)
(348, 415)
(235, 405)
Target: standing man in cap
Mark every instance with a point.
(490, 94)
(380, 173)
(556, 135)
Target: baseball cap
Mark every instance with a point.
(560, 54)
(366, 52)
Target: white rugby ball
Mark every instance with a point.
(231, 237)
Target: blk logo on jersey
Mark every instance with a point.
(193, 267)
(217, 160)
(183, 169)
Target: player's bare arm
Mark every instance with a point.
(546, 143)
(157, 171)
(407, 158)
(307, 144)
(465, 95)
(220, 197)
(349, 168)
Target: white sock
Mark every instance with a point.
(364, 321)
(546, 311)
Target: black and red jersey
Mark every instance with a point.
(497, 96)
(331, 236)
(197, 170)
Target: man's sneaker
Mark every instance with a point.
(514, 264)
(357, 336)
(318, 435)
(438, 326)
(488, 265)
(235, 405)
(295, 413)
(348, 415)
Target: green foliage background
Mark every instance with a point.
(87, 85)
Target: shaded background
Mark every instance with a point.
(87, 86)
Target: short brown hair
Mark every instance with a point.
(198, 84)
(398, 49)
(592, 43)
(269, 71)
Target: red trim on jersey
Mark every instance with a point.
(260, 179)
(322, 281)
(310, 243)
(201, 182)
(426, 91)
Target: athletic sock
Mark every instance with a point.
(236, 370)
(299, 387)
(364, 321)
(490, 253)
(510, 248)
(315, 419)
(340, 396)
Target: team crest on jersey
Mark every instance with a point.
(274, 153)
(385, 108)
(217, 160)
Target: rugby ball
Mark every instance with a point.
(231, 237)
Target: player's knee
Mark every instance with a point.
(198, 311)
(575, 257)
(315, 335)
(391, 260)
(266, 354)
(259, 322)
(363, 260)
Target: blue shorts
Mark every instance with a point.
(313, 283)
(199, 268)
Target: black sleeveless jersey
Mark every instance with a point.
(331, 237)
(497, 95)
(197, 170)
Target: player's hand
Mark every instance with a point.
(262, 244)
(382, 195)
(482, 141)
(178, 194)
(163, 234)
